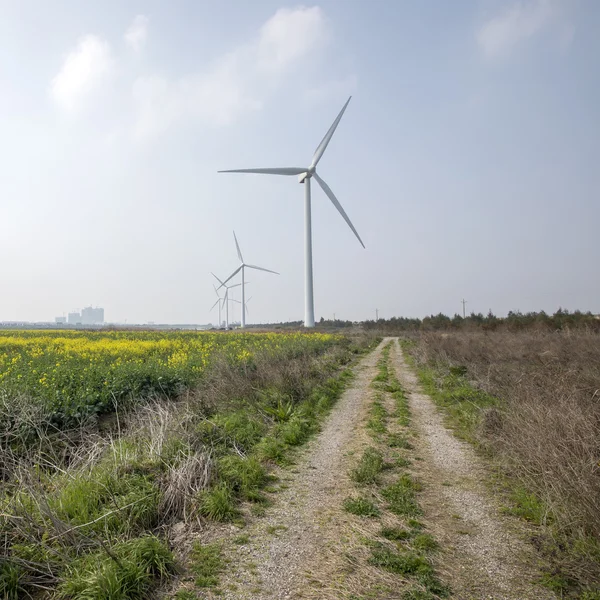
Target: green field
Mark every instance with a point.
(78, 373)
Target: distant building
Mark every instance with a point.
(74, 318)
(60, 320)
(92, 316)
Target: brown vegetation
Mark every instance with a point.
(532, 399)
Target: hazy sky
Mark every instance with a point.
(468, 158)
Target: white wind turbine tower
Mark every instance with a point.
(241, 268)
(225, 298)
(304, 176)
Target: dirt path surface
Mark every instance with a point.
(482, 554)
(292, 550)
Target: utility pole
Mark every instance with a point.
(376, 314)
(464, 302)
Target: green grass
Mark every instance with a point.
(241, 540)
(395, 534)
(361, 507)
(424, 542)
(463, 403)
(377, 418)
(397, 440)
(185, 595)
(136, 565)
(10, 581)
(217, 504)
(245, 476)
(527, 506)
(274, 529)
(92, 496)
(401, 497)
(206, 564)
(410, 563)
(369, 467)
(401, 563)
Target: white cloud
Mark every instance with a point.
(237, 82)
(137, 33)
(82, 72)
(499, 35)
(290, 34)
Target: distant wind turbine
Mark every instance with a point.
(304, 176)
(241, 268)
(225, 298)
(217, 303)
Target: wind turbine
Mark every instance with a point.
(241, 268)
(218, 302)
(304, 176)
(225, 298)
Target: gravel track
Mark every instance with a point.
(293, 544)
(300, 547)
(483, 554)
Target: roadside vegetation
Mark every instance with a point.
(89, 504)
(530, 401)
(387, 492)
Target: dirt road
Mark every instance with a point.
(300, 548)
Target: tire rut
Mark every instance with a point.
(483, 555)
(292, 548)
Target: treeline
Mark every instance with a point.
(514, 321)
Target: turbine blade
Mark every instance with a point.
(261, 269)
(270, 171)
(236, 301)
(336, 203)
(222, 284)
(325, 141)
(232, 275)
(217, 302)
(238, 248)
(248, 299)
(236, 285)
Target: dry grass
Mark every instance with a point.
(86, 492)
(545, 427)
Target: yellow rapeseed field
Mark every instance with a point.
(77, 373)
